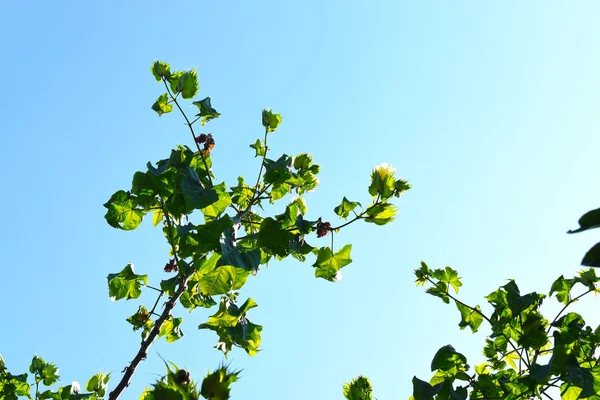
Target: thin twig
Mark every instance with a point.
(189, 124)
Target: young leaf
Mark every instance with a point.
(206, 111)
(126, 284)
(381, 214)
(328, 264)
(345, 208)
(160, 70)
(161, 105)
(98, 384)
(270, 120)
(260, 149)
(359, 389)
(469, 317)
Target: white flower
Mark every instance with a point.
(384, 170)
(75, 388)
(337, 277)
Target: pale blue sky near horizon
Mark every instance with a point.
(489, 109)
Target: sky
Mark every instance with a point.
(489, 109)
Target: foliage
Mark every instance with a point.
(219, 236)
(527, 354)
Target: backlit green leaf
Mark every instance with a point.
(345, 208)
(126, 284)
(123, 212)
(188, 84)
(328, 265)
(223, 201)
(259, 147)
(381, 214)
(206, 111)
(469, 317)
(171, 330)
(161, 105)
(270, 120)
(160, 69)
(220, 279)
(359, 389)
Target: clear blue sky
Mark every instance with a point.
(490, 110)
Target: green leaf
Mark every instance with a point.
(447, 358)
(422, 274)
(169, 285)
(242, 194)
(270, 120)
(345, 208)
(49, 374)
(233, 328)
(206, 111)
(273, 238)
(236, 256)
(589, 220)
(449, 276)
(160, 70)
(193, 298)
(123, 212)
(328, 265)
(569, 392)
(562, 287)
(215, 209)
(188, 84)
(469, 317)
(278, 172)
(37, 364)
(174, 81)
(220, 279)
(359, 389)
(140, 319)
(157, 218)
(161, 105)
(97, 384)
(217, 385)
(423, 390)
(126, 284)
(279, 191)
(195, 194)
(171, 330)
(196, 239)
(592, 257)
(260, 149)
(381, 214)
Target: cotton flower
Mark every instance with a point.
(337, 277)
(384, 169)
